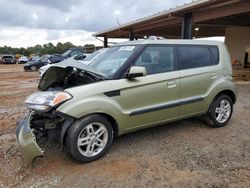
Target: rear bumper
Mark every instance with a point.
(27, 141)
(9, 62)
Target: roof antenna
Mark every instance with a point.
(117, 20)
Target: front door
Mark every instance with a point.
(153, 98)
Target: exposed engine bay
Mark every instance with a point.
(60, 78)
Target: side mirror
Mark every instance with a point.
(136, 71)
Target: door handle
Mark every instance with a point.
(171, 84)
(213, 75)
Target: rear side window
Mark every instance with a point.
(193, 57)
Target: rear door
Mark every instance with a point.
(198, 72)
(153, 98)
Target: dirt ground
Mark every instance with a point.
(186, 153)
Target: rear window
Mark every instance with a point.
(193, 57)
(7, 56)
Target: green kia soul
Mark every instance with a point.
(132, 86)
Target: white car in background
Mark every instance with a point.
(22, 60)
(79, 57)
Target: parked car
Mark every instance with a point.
(8, 59)
(34, 58)
(22, 60)
(69, 53)
(134, 85)
(79, 57)
(35, 65)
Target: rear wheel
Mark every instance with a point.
(33, 68)
(89, 138)
(220, 111)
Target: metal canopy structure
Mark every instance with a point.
(203, 18)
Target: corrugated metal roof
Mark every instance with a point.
(171, 41)
(183, 7)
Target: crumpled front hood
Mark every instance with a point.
(59, 71)
(78, 65)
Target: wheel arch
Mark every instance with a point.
(229, 93)
(111, 119)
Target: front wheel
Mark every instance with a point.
(89, 138)
(220, 111)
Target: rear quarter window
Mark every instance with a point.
(214, 55)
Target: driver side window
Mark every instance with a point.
(157, 59)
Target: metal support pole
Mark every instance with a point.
(105, 42)
(186, 32)
(131, 35)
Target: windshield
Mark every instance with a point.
(7, 56)
(66, 54)
(112, 59)
(35, 58)
(93, 55)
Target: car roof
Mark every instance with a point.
(171, 41)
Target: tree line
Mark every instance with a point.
(48, 48)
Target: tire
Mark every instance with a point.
(33, 68)
(219, 116)
(83, 139)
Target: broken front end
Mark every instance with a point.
(43, 120)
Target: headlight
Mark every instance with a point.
(43, 101)
(48, 61)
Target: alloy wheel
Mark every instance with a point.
(223, 111)
(92, 139)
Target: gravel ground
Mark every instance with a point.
(186, 153)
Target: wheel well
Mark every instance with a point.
(112, 121)
(228, 93)
(109, 118)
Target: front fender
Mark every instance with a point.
(78, 108)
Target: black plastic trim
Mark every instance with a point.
(165, 106)
(155, 108)
(114, 93)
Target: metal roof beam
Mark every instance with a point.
(231, 9)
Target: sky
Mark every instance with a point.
(26, 23)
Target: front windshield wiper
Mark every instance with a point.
(96, 76)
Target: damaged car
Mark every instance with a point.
(132, 86)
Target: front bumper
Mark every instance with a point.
(26, 67)
(27, 141)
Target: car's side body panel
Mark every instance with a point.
(149, 100)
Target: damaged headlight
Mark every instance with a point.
(42, 101)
